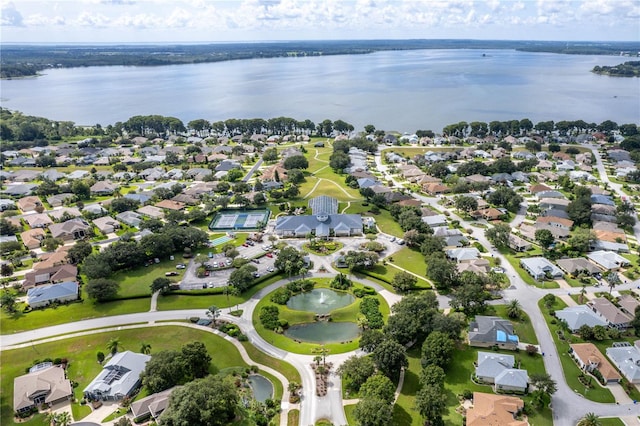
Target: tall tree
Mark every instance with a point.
(390, 357)
(212, 401)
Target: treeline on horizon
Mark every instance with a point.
(27, 60)
(19, 131)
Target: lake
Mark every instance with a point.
(395, 90)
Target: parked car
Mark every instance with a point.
(210, 255)
(256, 274)
(181, 266)
(269, 255)
(270, 269)
(207, 273)
(170, 274)
(215, 264)
(255, 260)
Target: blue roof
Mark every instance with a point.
(501, 336)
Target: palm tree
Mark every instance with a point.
(590, 419)
(514, 309)
(145, 348)
(583, 292)
(112, 345)
(213, 312)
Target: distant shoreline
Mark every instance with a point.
(27, 60)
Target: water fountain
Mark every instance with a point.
(322, 301)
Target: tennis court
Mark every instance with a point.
(220, 241)
(239, 220)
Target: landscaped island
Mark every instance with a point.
(627, 69)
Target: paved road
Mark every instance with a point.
(253, 170)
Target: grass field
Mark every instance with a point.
(404, 413)
(383, 219)
(172, 302)
(83, 367)
(612, 421)
(413, 261)
(347, 313)
(137, 282)
(69, 313)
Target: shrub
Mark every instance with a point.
(283, 323)
(467, 394)
(269, 317)
(531, 350)
(281, 296)
(369, 290)
(358, 292)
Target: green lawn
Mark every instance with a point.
(570, 368)
(81, 352)
(383, 219)
(514, 260)
(348, 411)
(612, 421)
(70, 313)
(404, 413)
(137, 282)
(521, 326)
(347, 313)
(284, 367)
(172, 302)
(293, 418)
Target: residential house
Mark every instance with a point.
(6, 205)
(44, 295)
(53, 175)
(549, 194)
(554, 221)
(540, 268)
(435, 220)
(140, 197)
(68, 212)
(518, 244)
(497, 369)
(129, 218)
(602, 199)
(119, 378)
(627, 359)
(151, 406)
(25, 175)
(170, 205)
(106, 224)
(553, 203)
(54, 274)
(451, 237)
(628, 304)
(435, 188)
(29, 203)
(44, 384)
(614, 317)
(589, 358)
(577, 266)
(95, 209)
(608, 260)
(495, 410)
(52, 259)
(151, 211)
(477, 266)
(461, 255)
(77, 174)
(38, 220)
(276, 172)
(74, 229)
(33, 238)
(534, 189)
(58, 200)
(103, 187)
(490, 214)
(487, 331)
(577, 316)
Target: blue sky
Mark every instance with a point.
(249, 20)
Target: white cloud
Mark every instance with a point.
(89, 19)
(39, 20)
(10, 16)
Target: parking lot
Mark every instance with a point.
(219, 276)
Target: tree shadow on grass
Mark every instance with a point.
(400, 416)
